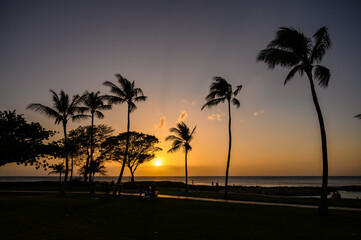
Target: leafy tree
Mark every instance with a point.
(63, 110)
(126, 93)
(292, 49)
(182, 138)
(219, 92)
(58, 169)
(81, 135)
(94, 103)
(22, 142)
(141, 149)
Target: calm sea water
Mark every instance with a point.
(238, 181)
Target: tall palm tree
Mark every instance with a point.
(292, 49)
(126, 92)
(220, 91)
(63, 110)
(94, 103)
(182, 138)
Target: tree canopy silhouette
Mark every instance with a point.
(181, 139)
(16, 134)
(142, 148)
(219, 92)
(291, 49)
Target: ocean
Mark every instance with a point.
(273, 181)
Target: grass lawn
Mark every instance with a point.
(76, 216)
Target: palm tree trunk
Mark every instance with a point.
(186, 169)
(229, 149)
(60, 177)
(323, 203)
(116, 189)
(91, 153)
(63, 191)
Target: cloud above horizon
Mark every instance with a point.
(258, 112)
(216, 116)
(162, 123)
(182, 116)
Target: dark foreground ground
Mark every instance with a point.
(77, 216)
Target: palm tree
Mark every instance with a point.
(126, 93)
(357, 116)
(58, 169)
(182, 138)
(220, 91)
(94, 104)
(96, 166)
(292, 49)
(63, 110)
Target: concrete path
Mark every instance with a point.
(248, 202)
(208, 200)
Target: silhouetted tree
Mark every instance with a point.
(219, 92)
(58, 169)
(63, 110)
(125, 93)
(22, 142)
(94, 104)
(141, 149)
(182, 138)
(292, 49)
(96, 166)
(81, 138)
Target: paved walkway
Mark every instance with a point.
(210, 200)
(248, 202)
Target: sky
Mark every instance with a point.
(172, 49)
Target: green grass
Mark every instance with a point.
(76, 216)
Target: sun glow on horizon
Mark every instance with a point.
(158, 162)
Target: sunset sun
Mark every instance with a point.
(158, 162)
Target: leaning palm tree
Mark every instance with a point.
(219, 92)
(182, 138)
(292, 49)
(126, 92)
(63, 110)
(94, 103)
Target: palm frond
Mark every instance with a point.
(79, 117)
(99, 114)
(274, 56)
(322, 43)
(114, 89)
(172, 138)
(238, 89)
(292, 73)
(236, 102)
(357, 116)
(47, 111)
(213, 102)
(322, 74)
(140, 99)
(289, 39)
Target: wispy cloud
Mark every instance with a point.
(162, 123)
(258, 112)
(216, 116)
(182, 116)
